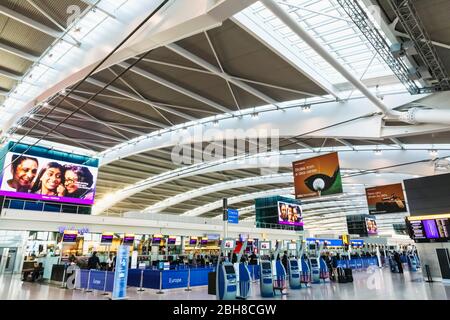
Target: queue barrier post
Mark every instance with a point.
(89, 280)
(160, 283)
(104, 286)
(189, 281)
(141, 282)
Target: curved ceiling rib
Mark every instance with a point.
(361, 159)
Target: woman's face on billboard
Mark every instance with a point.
(25, 172)
(71, 181)
(51, 178)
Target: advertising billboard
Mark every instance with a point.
(107, 238)
(317, 176)
(371, 226)
(40, 178)
(386, 199)
(290, 214)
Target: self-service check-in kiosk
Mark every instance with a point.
(412, 262)
(226, 281)
(243, 275)
(265, 265)
(293, 266)
(314, 262)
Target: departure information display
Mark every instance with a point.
(427, 230)
(417, 230)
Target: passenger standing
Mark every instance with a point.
(94, 261)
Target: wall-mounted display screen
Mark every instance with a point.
(128, 239)
(265, 245)
(39, 178)
(371, 226)
(429, 229)
(292, 246)
(229, 244)
(172, 240)
(204, 241)
(386, 199)
(107, 238)
(428, 195)
(290, 214)
(70, 236)
(193, 241)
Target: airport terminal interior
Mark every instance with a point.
(225, 150)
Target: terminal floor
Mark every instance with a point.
(380, 284)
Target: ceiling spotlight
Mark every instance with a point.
(63, 92)
(378, 152)
(433, 152)
(45, 105)
(306, 108)
(31, 116)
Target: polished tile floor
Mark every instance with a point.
(373, 284)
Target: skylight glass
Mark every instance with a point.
(328, 23)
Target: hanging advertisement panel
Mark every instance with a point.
(317, 176)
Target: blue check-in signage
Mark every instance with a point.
(121, 273)
(233, 216)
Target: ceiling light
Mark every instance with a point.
(378, 152)
(306, 108)
(433, 152)
(46, 104)
(255, 115)
(63, 92)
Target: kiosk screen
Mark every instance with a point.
(294, 263)
(229, 269)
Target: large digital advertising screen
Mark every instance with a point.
(371, 226)
(32, 177)
(290, 214)
(317, 176)
(386, 199)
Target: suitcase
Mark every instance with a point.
(348, 274)
(341, 275)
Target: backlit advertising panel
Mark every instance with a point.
(386, 199)
(33, 177)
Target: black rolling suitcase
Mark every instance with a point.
(341, 278)
(348, 274)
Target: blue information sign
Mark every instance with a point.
(121, 273)
(233, 216)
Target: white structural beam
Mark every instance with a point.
(249, 196)
(29, 22)
(397, 142)
(178, 20)
(10, 75)
(345, 143)
(254, 26)
(175, 87)
(323, 52)
(362, 159)
(139, 99)
(216, 71)
(117, 110)
(302, 144)
(233, 184)
(321, 122)
(18, 53)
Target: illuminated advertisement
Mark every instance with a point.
(317, 176)
(386, 199)
(229, 244)
(290, 214)
(371, 226)
(265, 245)
(33, 177)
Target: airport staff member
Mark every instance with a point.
(94, 261)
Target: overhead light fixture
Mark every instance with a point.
(378, 152)
(255, 115)
(433, 152)
(216, 123)
(306, 108)
(63, 92)
(46, 104)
